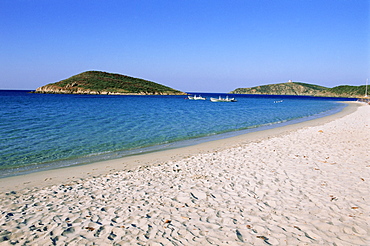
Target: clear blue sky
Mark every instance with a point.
(190, 45)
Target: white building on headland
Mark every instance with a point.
(290, 81)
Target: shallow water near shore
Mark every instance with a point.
(45, 131)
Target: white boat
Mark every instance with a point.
(195, 97)
(220, 99)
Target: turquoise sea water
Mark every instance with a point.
(42, 131)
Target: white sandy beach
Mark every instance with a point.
(304, 184)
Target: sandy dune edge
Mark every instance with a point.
(305, 186)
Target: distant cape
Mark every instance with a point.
(304, 89)
(96, 82)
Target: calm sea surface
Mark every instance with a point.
(43, 131)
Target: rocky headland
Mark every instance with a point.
(304, 89)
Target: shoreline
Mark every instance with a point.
(59, 175)
(86, 160)
(303, 184)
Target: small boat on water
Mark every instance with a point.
(195, 97)
(220, 99)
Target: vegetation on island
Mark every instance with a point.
(304, 89)
(96, 82)
(348, 90)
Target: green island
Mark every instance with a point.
(304, 89)
(103, 83)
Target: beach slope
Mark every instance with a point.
(303, 185)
